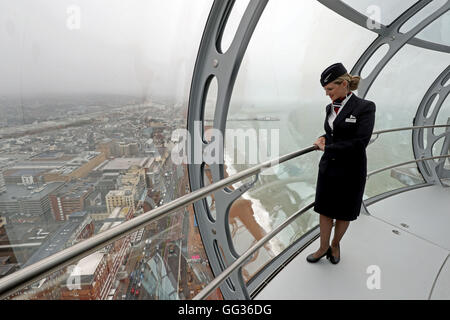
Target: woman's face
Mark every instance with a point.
(336, 91)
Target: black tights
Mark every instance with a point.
(326, 224)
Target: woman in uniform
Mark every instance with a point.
(349, 124)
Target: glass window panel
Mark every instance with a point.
(374, 60)
(90, 94)
(383, 153)
(421, 15)
(280, 89)
(393, 179)
(382, 11)
(438, 31)
(278, 100)
(233, 22)
(397, 92)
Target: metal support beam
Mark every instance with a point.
(395, 40)
(441, 170)
(360, 19)
(224, 66)
(432, 171)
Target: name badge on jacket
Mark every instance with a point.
(352, 119)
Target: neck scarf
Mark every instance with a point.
(337, 104)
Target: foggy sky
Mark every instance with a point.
(122, 46)
(149, 47)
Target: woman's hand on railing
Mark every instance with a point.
(320, 143)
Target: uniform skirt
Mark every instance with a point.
(340, 188)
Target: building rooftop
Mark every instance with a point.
(50, 154)
(16, 192)
(23, 172)
(48, 165)
(58, 241)
(123, 164)
(74, 189)
(88, 265)
(119, 193)
(77, 215)
(117, 213)
(83, 158)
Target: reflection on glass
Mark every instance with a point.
(295, 231)
(271, 201)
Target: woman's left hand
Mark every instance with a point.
(320, 143)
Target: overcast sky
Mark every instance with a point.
(149, 47)
(119, 46)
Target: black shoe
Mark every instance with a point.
(311, 258)
(333, 259)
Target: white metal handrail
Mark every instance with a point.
(47, 266)
(40, 269)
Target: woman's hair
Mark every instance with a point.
(353, 81)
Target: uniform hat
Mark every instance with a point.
(332, 73)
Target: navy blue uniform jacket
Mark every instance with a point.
(343, 166)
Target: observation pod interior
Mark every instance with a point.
(241, 224)
(398, 248)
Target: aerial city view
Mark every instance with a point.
(63, 181)
(112, 112)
